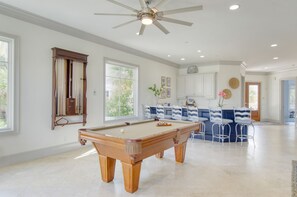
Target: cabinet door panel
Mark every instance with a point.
(198, 83)
(190, 85)
(209, 80)
(181, 83)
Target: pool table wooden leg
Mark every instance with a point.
(160, 155)
(131, 173)
(180, 152)
(107, 166)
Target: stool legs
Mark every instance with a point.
(221, 132)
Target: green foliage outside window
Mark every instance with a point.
(120, 92)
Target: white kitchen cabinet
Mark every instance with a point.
(181, 86)
(198, 83)
(209, 84)
(190, 85)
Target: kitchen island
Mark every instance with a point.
(204, 112)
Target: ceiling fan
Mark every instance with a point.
(148, 15)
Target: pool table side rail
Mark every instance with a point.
(89, 134)
(134, 150)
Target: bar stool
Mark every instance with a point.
(147, 112)
(243, 119)
(194, 117)
(176, 113)
(216, 118)
(160, 112)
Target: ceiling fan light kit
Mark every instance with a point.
(148, 15)
(146, 19)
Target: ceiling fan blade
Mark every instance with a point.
(122, 5)
(111, 14)
(181, 10)
(171, 20)
(142, 4)
(141, 29)
(160, 4)
(161, 27)
(126, 23)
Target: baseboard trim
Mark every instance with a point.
(37, 154)
(271, 120)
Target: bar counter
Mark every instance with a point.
(204, 112)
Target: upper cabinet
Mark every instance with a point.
(196, 85)
(209, 84)
(181, 84)
(69, 86)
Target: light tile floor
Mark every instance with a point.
(259, 169)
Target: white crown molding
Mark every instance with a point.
(270, 72)
(215, 63)
(29, 17)
(282, 71)
(230, 63)
(256, 73)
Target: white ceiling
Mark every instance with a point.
(242, 35)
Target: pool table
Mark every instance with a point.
(134, 141)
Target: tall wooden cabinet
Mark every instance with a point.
(69, 87)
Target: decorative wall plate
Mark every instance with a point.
(234, 83)
(228, 93)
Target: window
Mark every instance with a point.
(121, 90)
(7, 83)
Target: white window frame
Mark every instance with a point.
(136, 95)
(13, 84)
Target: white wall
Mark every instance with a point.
(274, 92)
(36, 82)
(224, 74)
(263, 79)
(271, 106)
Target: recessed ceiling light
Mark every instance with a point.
(137, 33)
(275, 58)
(199, 51)
(234, 7)
(182, 59)
(202, 56)
(266, 68)
(274, 45)
(168, 55)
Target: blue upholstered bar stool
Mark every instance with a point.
(193, 116)
(176, 113)
(243, 118)
(216, 118)
(160, 112)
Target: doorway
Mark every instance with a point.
(252, 99)
(288, 101)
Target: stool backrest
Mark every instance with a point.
(160, 112)
(176, 113)
(147, 111)
(193, 114)
(242, 114)
(215, 114)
